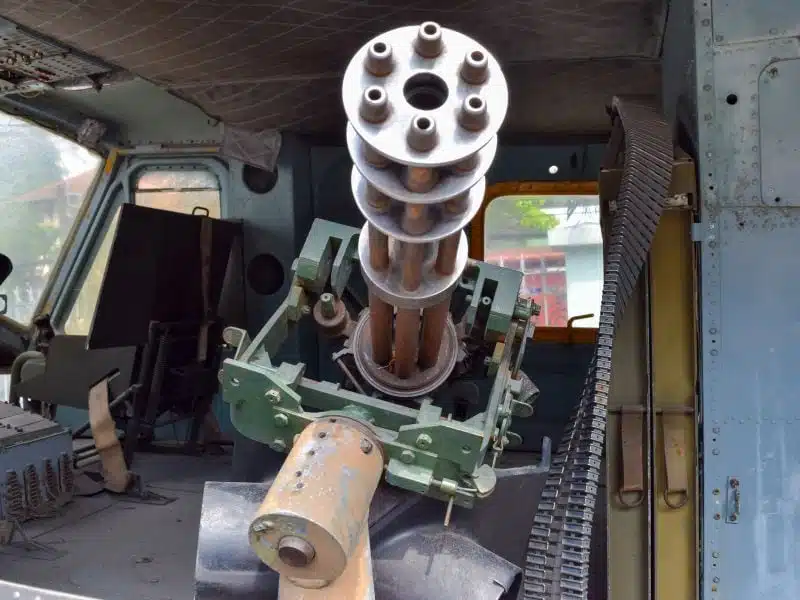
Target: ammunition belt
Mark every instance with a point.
(557, 563)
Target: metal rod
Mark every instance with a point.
(446, 257)
(434, 320)
(420, 179)
(650, 438)
(412, 266)
(380, 322)
(378, 249)
(406, 340)
(416, 219)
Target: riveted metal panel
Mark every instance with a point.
(750, 284)
(745, 20)
(778, 87)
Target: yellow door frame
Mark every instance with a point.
(569, 334)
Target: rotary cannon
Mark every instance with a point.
(424, 106)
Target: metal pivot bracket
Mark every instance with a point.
(631, 491)
(673, 423)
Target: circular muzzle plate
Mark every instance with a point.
(430, 90)
(450, 184)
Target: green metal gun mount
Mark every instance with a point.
(426, 451)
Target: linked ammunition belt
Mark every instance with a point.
(557, 564)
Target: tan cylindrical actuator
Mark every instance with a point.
(311, 520)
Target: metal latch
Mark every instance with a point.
(631, 491)
(673, 423)
(733, 504)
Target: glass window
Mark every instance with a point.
(43, 181)
(555, 240)
(80, 317)
(179, 191)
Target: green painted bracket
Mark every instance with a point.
(328, 255)
(500, 284)
(269, 405)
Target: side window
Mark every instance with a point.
(43, 181)
(555, 240)
(178, 191)
(80, 316)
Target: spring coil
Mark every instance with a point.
(14, 504)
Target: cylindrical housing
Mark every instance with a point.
(424, 105)
(311, 519)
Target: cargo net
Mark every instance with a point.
(557, 563)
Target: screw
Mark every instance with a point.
(327, 305)
(424, 441)
(715, 554)
(278, 445)
(716, 579)
(733, 518)
(274, 396)
(717, 517)
(263, 526)
(716, 492)
(407, 456)
(281, 420)
(734, 482)
(366, 446)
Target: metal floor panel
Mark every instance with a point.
(104, 547)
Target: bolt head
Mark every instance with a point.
(407, 456)
(273, 396)
(424, 441)
(366, 446)
(278, 445)
(281, 420)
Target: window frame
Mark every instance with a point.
(140, 172)
(120, 174)
(477, 243)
